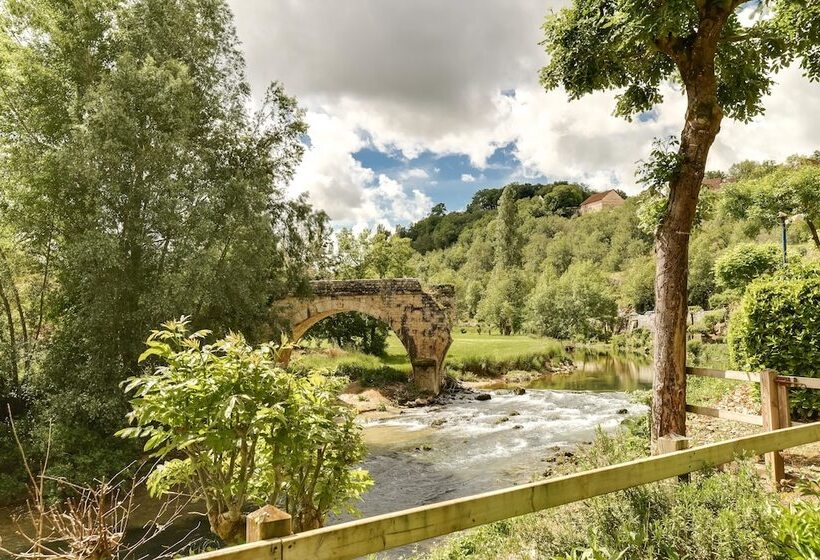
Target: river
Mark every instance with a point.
(429, 454)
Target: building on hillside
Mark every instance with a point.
(715, 184)
(601, 201)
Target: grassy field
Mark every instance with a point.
(479, 354)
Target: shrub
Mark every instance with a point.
(237, 430)
(741, 264)
(636, 341)
(370, 377)
(777, 326)
(797, 527)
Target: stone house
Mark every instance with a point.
(601, 201)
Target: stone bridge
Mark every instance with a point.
(421, 319)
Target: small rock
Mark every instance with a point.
(514, 413)
(439, 422)
(502, 420)
(517, 427)
(623, 411)
(547, 473)
(555, 448)
(551, 459)
(519, 391)
(426, 448)
(569, 454)
(483, 397)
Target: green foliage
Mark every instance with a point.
(579, 304)
(596, 45)
(145, 188)
(441, 230)
(503, 303)
(777, 326)
(638, 285)
(235, 429)
(507, 235)
(636, 341)
(741, 264)
(797, 533)
(371, 377)
(352, 330)
(792, 189)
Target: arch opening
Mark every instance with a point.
(420, 322)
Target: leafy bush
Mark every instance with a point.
(636, 341)
(370, 377)
(741, 264)
(236, 430)
(797, 527)
(777, 326)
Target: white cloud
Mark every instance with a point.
(350, 193)
(467, 178)
(414, 173)
(408, 77)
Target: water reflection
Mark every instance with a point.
(600, 373)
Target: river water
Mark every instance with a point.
(429, 454)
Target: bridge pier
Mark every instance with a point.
(421, 319)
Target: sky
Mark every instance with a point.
(412, 103)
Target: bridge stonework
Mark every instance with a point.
(421, 319)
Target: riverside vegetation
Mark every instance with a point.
(137, 185)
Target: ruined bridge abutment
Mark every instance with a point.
(421, 319)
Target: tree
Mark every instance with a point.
(741, 264)
(790, 189)
(579, 304)
(508, 239)
(725, 68)
(502, 305)
(236, 430)
(141, 187)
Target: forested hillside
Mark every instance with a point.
(537, 266)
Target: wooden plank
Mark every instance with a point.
(753, 419)
(798, 382)
(748, 376)
(769, 407)
(783, 406)
(374, 534)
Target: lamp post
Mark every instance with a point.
(783, 217)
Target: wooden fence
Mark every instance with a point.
(383, 532)
(774, 405)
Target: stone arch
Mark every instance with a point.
(421, 319)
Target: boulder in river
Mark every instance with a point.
(519, 391)
(623, 411)
(483, 397)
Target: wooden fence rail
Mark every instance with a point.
(375, 534)
(774, 405)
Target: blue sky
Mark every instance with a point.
(452, 178)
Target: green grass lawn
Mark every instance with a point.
(476, 353)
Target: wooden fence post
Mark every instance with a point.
(671, 443)
(770, 410)
(267, 522)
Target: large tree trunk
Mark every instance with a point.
(703, 118)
